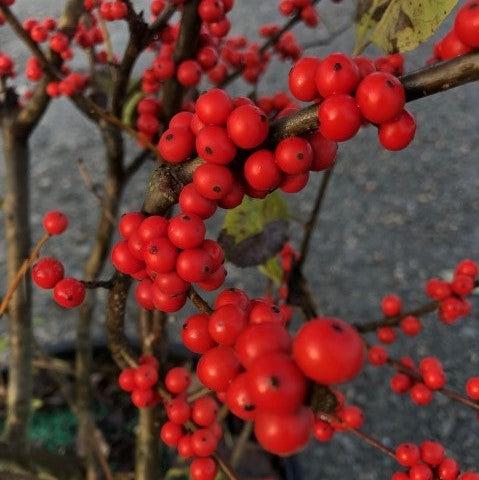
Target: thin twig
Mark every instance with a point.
(201, 304)
(22, 271)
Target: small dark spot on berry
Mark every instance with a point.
(275, 309)
(299, 156)
(337, 327)
(208, 150)
(389, 84)
(169, 137)
(187, 218)
(248, 407)
(153, 250)
(275, 383)
(337, 66)
(263, 118)
(216, 189)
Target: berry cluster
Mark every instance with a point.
(428, 461)
(261, 372)
(48, 272)
(166, 256)
(464, 36)
(349, 95)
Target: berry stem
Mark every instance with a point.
(200, 303)
(22, 271)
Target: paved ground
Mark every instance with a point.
(390, 221)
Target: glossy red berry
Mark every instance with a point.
(47, 272)
(400, 383)
(391, 305)
(411, 325)
(432, 453)
(186, 231)
(381, 97)
(160, 255)
(284, 434)
(467, 267)
(398, 133)
(55, 222)
(339, 118)
(203, 469)
(322, 431)
(188, 73)
(276, 383)
(126, 380)
(177, 380)
(184, 447)
(217, 368)
(204, 411)
(261, 171)
(247, 126)
(171, 283)
(195, 334)
(329, 351)
(191, 202)
(408, 454)
(239, 398)
(176, 144)
(178, 410)
(203, 442)
(337, 74)
(214, 107)
(146, 377)
(233, 296)
(377, 355)
(294, 155)
(69, 293)
(213, 181)
(472, 388)
(448, 469)
(171, 433)
(194, 265)
(144, 294)
(129, 223)
(214, 145)
(420, 394)
(226, 323)
(466, 24)
(143, 398)
(302, 79)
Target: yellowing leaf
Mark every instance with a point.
(272, 270)
(251, 217)
(398, 25)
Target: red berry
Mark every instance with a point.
(176, 144)
(47, 272)
(380, 97)
(398, 133)
(233, 296)
(438, 289)
(69, 293)
(143, 398)
(129, 223)
(386, 335)
(203, 442)
(213, 181)
(188, 73)
(408, 454)
(322, 431)
(123, 260)
(126, 380)
(177, 380)
(276, 383)
(146, 377)
(432, 453)
(191, 202)
(240, 399)
(171, 283)
(466, 24)
(152, 227)
(329, 351)
(214, 107)
(411, 325)
(211, 10)
(283, 434)
(462, 285)
(217, 368)
(144, 294)
(467, 267)
(352, 417)
(166, 302)
(448, 469)
(214, 145)
(472, 388)
(337, 74)
(391, 305)
(203, 469)
(247, 126)
(186, 231)
(293, 155)
(171, 433)
(302, 79)
(226, 323)
(160, 255)
(185, 449)
(339, 118)
(194, 265)
(204, 411)
(178, 410)
(420, 471)
(377, 355)
(195, 334)
(420, 394)
(400, 383)
(261, 172)
(263, 311)
(55, 222)
(324, 152)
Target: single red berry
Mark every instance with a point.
(211, 10)
(294, 183)
(247, 126)
(462, 285)
(322, 431)
(47, 272)
(467, 267)
(212, 181)
(217, 368)
(55, 222)
(448, 469)
(126, 380)
(337, 74)
(398, 133)
(171, 283)
(263, 311)
(408, 454)
(144, 294)
(233, 296)
(302, 79)
(176, 144)
(171, 433)
(186, 231)
(339, 118)
(420, 471)
(178, 410)
(381, 97)
(329, 351)
(283, 434)
(203, 469)
(472, 388)
(226, 323)
(191, 202)
(143, 398)
(166, 302)
(438, 289)
(215, 146)
(324, 152)
(466, 24)
(177, 380)
(184, 447)
(214, 107)
(352, 416)
(400, 383)
(69, 293)
(377, 355)
(386, 335)
(146, 377)
(411, 325)
(239, 398)
(188, 73)
(204, 411)
(432, 453)
(420, 394)
(160, 255)
(294, 155)
(261, 171)
(195, 334)
(129, 223)
(194, 265)
(391, 305)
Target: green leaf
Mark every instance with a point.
(251, 217)
(272, 269)
(398, 25)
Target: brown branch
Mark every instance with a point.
(186, 46)
(200, 303)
